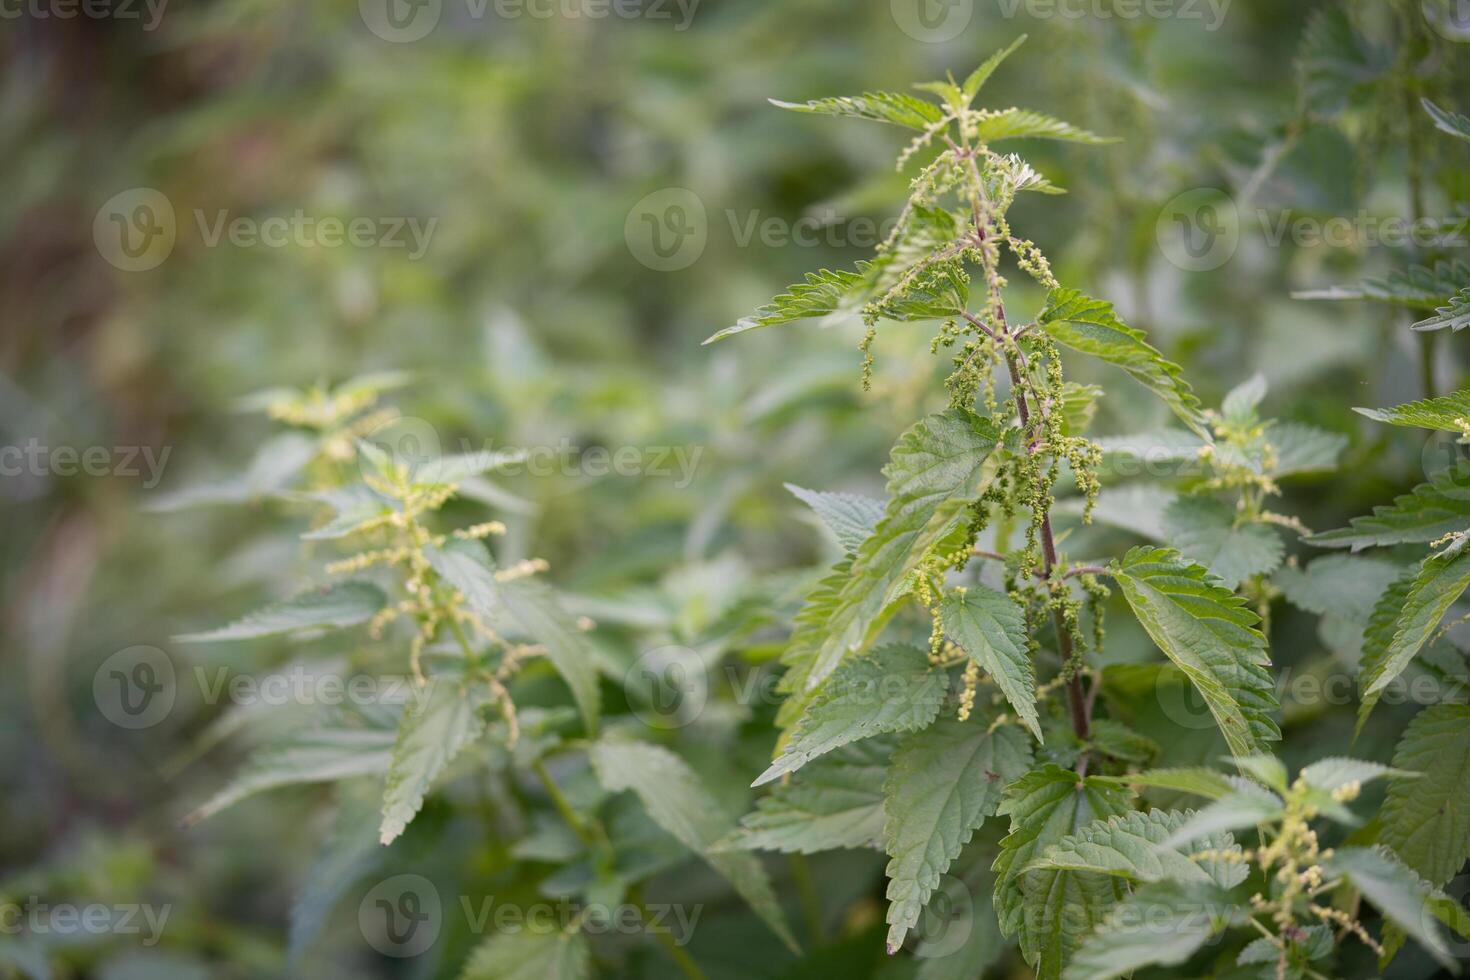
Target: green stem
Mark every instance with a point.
(806, 890)
(685, 962)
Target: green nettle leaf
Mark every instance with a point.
(1298, 448)
(991, 628)
(349, 852)
(273, 468)
(527, 606)
(1426, 820)
(1162, 924)
(981, 75)
(936, 470)
(1197, 780)
(1427, 513)
(890, 107)
(1091, 326)
(1454, 315)
(1050, 911)
(1396, 891)
(677, 801)
(1345, 586)
(1405, 618)
(937, 293)
(1418, 286)
(808, 631)
(1447, 120)
(1209, 633)
(1205, 530)
(942, 784)
(1335, 772)
(353, 507)
(530, 954)
(834, 802)
(1240, 403)
(1448, 413)
(1128, 454)
(1010, 124)
(852, 517)
(1337, 62)
(1131, 846)
(892, 689)
(1247, 805)
(438, 723)
(311, 756)
(329, 607)
(822, 293)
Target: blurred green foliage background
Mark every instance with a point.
(531, 318)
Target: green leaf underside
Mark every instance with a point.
(436, 726)
(850, 516)
(1447, 120)
(1448, 413)
(1131, 846)
(349, 852)
(1426, 820)
(890, 107)
(531, 608)
(991, 628)
(942, 784)
(821, 294)
(312, 756)
(677, 801)
(1014, 123)
(1050, 911)
(1417, 286)
(1427, 513)
(530, 954)
(937, 468)
(330, 607)
(1091, 326)
(1204, 530)
(1208, 633)
(892, 689)
(1406, 617)
(1396, 891)
(1162, 924)
(834, 802)
(1454, 315)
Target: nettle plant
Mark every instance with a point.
(458, 647)
(913, 747)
